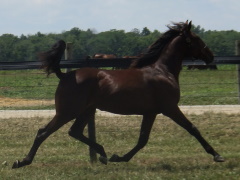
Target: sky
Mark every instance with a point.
(28, 17)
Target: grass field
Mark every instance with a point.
(205, 87)
(198, 87)
(171, 154)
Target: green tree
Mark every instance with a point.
(145, 32)
(119, 42)
(7, 42)
(198, 30)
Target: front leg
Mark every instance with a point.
(177, 116)
(146, 127)
(116, 158)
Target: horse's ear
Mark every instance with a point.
(189, 25)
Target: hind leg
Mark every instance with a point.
(42, 135)
(76, 131)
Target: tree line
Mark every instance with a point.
(118, 42)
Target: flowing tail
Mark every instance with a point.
(51, 59)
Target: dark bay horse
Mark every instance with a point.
(104, 56)
(149, 87)
(202, 67)
(135, 57)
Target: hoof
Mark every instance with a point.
(16, 164)
(219, 158)
(114, 158)
(103, 160)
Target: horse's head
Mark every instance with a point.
(196, 47)
(178, 41)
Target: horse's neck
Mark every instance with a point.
(172, 58)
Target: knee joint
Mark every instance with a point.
(41, 132)
(142, 142)
(195, 130)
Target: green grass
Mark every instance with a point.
(27, 84)
(209, 87)
(171, 152)
(198, 87)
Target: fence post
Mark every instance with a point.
(237, 45)
(92, 136)
(68, 53)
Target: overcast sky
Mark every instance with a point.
(54, 16)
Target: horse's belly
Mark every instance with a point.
(129, 105)
(127, 110)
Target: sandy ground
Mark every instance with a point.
(18, 102)
(228, 109)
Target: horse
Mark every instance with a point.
(150, 86)
(202, 67)
(133, 57)
(104, 56)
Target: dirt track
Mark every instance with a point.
(228, 109)
(18, 102)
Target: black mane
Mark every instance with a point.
(154, 51)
